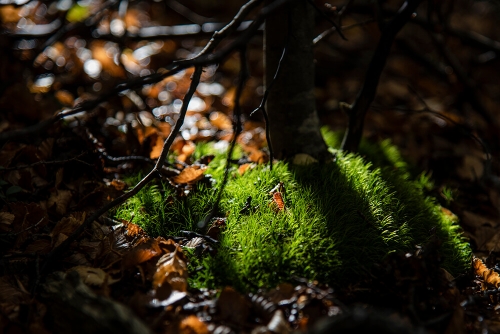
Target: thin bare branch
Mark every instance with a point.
(334, 24)
(43, 162)
(367, 93)
(187, 12)
(57, 251)
(204, 58)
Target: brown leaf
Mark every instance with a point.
(67, 225)
(118, 184)
(143, 252)
(40, 246)
(45, 149)
(189, 175)
(93, 276)
(489, 276)
(133, 230)
(187, 151)
(157, 148)
(172, 269)
(243, 168)
(59, 199)
(6, 218)
(220, 121)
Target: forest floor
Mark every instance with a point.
(104, 277)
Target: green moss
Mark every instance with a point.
(341, 218)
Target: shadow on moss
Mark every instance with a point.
(341, 218)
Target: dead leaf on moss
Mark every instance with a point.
(243, 168)
(489, 276)
(189, 175)
(173, 270)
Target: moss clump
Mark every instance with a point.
(341, 218)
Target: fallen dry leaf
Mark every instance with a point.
(118, 184)
(189, 175)
(141, 253)
(67, 225)
(60, 199)
(186, 151)
(489, 276)
(93, 276)
(45, 149)
(243, 168)
(221, 121)
(157, 148)
(173, 270)
(6, 218)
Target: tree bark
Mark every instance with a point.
(293, 121)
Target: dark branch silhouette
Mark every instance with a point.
(359, 108)
(204, 58)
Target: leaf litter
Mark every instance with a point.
(49, 184)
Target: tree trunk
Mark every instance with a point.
(294, 123)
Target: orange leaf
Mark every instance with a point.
(243, 168)
(189, 175)
(142, 253)
(118, 184)
(489, 276)
(221, 121)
